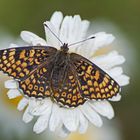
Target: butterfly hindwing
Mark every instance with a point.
(37, 84)
(67, 92)
(95, 83)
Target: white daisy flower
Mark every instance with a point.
(62, 120)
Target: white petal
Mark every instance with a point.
(32, 38)
(91, 115)
(42, 122)
(11, 84)
(110, 60)
(51, 39)
(65, 27)
(115, 72)
(116, 98)
(83, 123)
(90, 47)
(39, 107)
(55, 120)
(70, 118)
(102, 39)
(27, 117)
(73, 29)
(54, 25)
(103, 107)
(13, 93)
(22, 104)
(82, 35)
(63, 131)
(122, 80)
(56, 20)
(84, 28)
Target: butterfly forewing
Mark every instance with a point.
(20, 62)
(95, 83)
(30, 66)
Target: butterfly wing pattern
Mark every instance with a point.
(28, 65)
(94, 82)
(69, 79)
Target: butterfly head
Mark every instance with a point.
(64, 48)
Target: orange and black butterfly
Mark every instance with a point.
(67, 78)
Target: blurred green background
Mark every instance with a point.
(18, 15)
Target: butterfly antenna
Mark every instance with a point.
(53, 33)
(82, 41)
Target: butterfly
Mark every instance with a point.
(69, 79)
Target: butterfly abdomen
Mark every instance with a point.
(59, 69)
